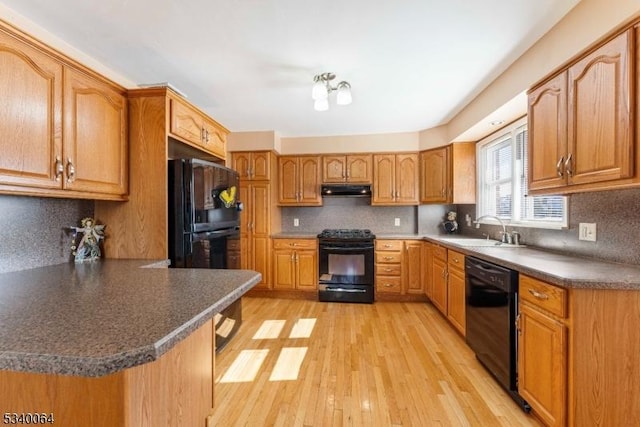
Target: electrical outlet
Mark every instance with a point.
(467, 219)
(397, 222)
(296, 222)
(587, 231)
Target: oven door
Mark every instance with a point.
(213, 249)
(345, 264)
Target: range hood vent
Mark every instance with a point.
(342, 190)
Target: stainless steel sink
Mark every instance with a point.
(471, 242)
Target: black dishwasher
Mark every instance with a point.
(491, 310)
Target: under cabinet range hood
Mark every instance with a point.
(346, 190)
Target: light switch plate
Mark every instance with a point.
(296, 222)
(587, 231)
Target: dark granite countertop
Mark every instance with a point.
(559, 269)
(94, 319)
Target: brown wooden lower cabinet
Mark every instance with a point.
(578, 354)
(399, 269)
(295, 264)
(175, 390)
(439, 278)
(456, 290)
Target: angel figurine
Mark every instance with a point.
(88, 249)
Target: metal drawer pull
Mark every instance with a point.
(387, 245)
(538, 295)
(388, 285)
(567, 165)
(388, 257)
(559, 166)
(388, 270)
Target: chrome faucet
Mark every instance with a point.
(506, 237)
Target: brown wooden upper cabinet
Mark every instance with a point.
(299, 181)
(448, 174)
(581, 125)
(395, 179)
(189, 125)
(95, 135)
(64, 130)
(254, 165)
(351, 168)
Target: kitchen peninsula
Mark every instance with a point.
(113, 343)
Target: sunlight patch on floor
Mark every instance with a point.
(245, 367)
(288, 364)
(269, 330)
(302, 328)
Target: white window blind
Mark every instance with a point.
(502, 183)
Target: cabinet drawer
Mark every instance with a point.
(388, 245)
(543, 295)
(233, 244)
(388, 257)
(295, 244)
(455, 259)
(439, 252)
(388, 270)
(389, 284)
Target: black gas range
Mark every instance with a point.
(346, 265)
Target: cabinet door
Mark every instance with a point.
(214, 139)
(384, 176)
(260, 217)
(407, 182)
(427, 262)
(599, 125)
(240, 162)
(288, 180)
(334, 169)
(412, 263)
(439, 283)
(310, 176)
(31, 116)
(186, 123)
(261, 257)
(542, 364)
(434, 175)
(456, 299)
(359, 168)
(547, 127)
(284, 269)
(95, 135)
(260, 166)
(307, 269)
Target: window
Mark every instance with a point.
(502, 183)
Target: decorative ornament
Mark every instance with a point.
(450, 224)
(88, 248)
(228, 196)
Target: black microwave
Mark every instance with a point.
(203, 196)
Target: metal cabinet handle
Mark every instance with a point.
(538, 295)
(388, 285)
(444, 192)
(59, 168)
(456, 260)
(567, 166)
(387, 245)
(71, 170)
(388, 257)
(388, 270)
(559, 166)
(293, 244)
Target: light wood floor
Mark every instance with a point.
(386, 364)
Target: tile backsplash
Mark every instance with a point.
(617, 221)
(32, 232)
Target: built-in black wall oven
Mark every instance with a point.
(204, 226)
(491, 310)
(346, 266)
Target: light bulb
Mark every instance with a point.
(319, 90)
(344, 94)
(321, 104)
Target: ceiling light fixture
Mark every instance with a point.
(322, 88)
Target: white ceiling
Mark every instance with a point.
(412, 64)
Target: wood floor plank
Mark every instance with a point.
(382, 364)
